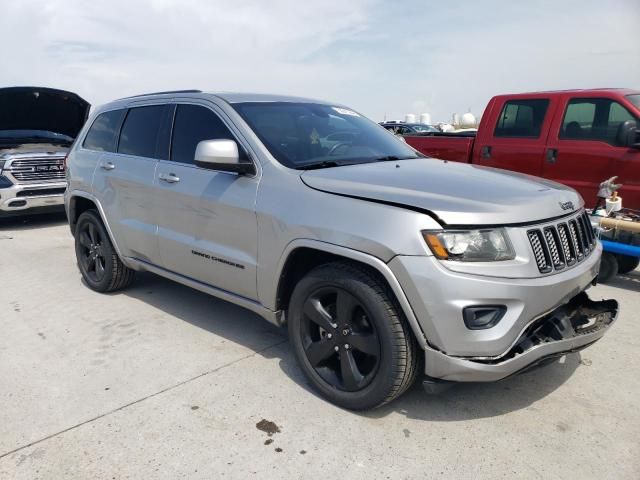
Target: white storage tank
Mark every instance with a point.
(468, 120)
(425, 118)
(410, 118)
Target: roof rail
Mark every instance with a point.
(162, 93)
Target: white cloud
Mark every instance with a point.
(376, 56)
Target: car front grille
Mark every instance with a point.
(41, 192)
(563, 244)
(38, 169)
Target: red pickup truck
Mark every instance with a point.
(575, 137)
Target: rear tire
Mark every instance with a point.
(350, 338)
(608, 267)
(99, 264)
(627, 264)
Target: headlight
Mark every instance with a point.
(470, 245)
(2, 162)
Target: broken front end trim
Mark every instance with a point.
(569, 328)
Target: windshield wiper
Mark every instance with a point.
(35, 139)
(318, 165)
(392, 158)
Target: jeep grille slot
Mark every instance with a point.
(540, 250)
(564, 244)
(38, 170)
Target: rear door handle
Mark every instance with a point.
(485, 151)
(107, 166)
(552, 155)
(169, 177)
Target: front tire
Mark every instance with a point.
(350, 338)
(99, 264)
(608, 267)
(627, 264)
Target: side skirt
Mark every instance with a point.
(276, 318)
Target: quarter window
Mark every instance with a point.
(192, 124)
(595, 119)
(139, 135)
(522, 118)
(103, 131)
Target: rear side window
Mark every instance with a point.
(522, 118)
(103, 131)
(595, 119)
(192, 124)
(139, 134)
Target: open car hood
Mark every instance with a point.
(48, 109)
(455, 193)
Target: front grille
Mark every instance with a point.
(38, 170)
(40, 192)
(564, 244)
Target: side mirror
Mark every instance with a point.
(628, 135)
(222, 155)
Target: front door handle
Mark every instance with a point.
(552, 155)
(485, 151)
(169, 177)
(107, 166)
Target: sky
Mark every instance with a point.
(383, 58)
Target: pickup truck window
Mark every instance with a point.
(192, 124)
(594, 119)
(139, 135)
(103, 131)
(522, 118)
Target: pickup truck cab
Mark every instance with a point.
(385, 265)
(575, 137)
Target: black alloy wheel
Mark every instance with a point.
(99, 263)
(92, 256)
(339, 340)
(349, 336)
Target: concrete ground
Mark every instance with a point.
(162, 381)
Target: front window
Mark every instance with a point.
(594, 119)
(311, 135)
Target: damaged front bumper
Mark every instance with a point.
(568, 328)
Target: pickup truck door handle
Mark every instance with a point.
(169, 177)
(552, 155)
(107, 166)
(485, 151)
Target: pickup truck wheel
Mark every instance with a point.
(350, 338)
(608, 267)
(97, 260)
(627, 264)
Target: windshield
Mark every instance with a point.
(635, 99)
(424, 128)
(34, 136)
(310, 135)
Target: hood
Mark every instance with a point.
(456, 193)
(44, 109)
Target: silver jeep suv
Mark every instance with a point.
(385, 265)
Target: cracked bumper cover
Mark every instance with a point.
(568, 328)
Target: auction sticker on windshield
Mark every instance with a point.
(345, 111)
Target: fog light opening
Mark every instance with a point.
(481, 317)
